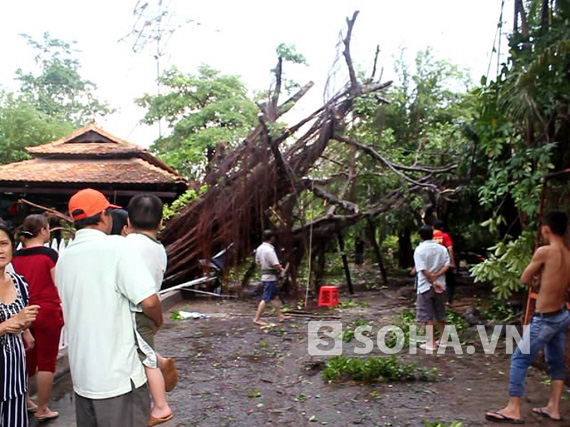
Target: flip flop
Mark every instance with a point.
(497, 417)
(153, 421)
(51, 416)
(543, 413)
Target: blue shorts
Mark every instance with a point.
(269, 291)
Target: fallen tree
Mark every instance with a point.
(268, 181)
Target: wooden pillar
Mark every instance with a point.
(372, 232)
(344, 262)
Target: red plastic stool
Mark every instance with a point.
(328, 296)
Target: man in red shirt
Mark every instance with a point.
(444, 239)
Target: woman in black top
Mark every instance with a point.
(15, 318)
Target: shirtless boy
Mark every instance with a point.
(551, 266)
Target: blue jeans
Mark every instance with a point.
(545, 332)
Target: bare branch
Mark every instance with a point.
(354, 85)
(323, 194)
(375, 63)
(287, 105)
(48, 210)
(277, 91)
(373, 153)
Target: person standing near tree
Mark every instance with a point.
(266, 258)
(431, 263)
(98, 278)
(550, 268)
(143, 224)
(439, 236)
(37, 264)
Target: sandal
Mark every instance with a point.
(153, 421)
(543, 413)
(497, 417)
(49, 416)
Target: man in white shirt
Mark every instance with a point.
(266, 258)
(98, 277)
(431, 263)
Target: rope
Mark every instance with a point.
(310, 254)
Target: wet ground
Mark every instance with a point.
(234, 374)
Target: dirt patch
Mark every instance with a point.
(233, 374)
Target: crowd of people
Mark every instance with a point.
(105, 288)
(548, 272)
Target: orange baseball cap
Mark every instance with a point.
(88, 202)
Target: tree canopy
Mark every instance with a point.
(58, 90)
(49, 104)
(206, 114)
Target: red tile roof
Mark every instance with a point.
(97, 152)
(111, 171)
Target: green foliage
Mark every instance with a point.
(175, 315)
(348, 333)
(22, 125)
(518, 142)
(456, 319)
(505, 265)
(169, 211)
(59, 91)
(254, 394)
(352, 304)
(422, 125)
(499, 312)
(373, 369)
(203, 112)
(289, 53)
(442, 424)
(408, 318)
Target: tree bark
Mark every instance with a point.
(319, 261)
(249, 272)
(405, 248)
(345, 262)
(372, 232)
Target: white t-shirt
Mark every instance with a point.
(430, 256)
(98, 277)
(266, 258)
(153, 255)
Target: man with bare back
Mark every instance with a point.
(550, 267)
(266, 258)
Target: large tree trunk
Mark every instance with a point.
(405, 254)
(345, 262)
(379, 260)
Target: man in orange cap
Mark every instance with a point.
(98, 278)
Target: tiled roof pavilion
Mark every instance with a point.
(91, 157)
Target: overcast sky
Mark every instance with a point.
(240, 37)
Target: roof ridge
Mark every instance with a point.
(87, 128)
